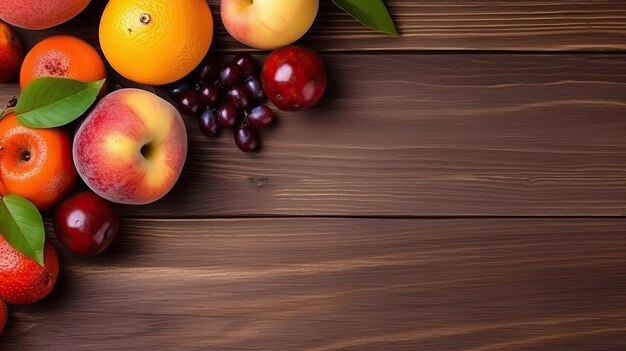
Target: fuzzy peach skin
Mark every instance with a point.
(268, 24)
(40, 14)
(131, 148)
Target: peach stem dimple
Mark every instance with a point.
(146, 150)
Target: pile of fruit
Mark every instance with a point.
(233, 95)
(71, 148)
(131, 146)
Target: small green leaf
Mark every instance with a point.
(53, 102)
(21, 226)
(371, 13)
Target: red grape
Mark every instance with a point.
(260, 117)
(246, 139)
(227, 114)
(240, 97)
(247, 64)
(207, 121)
(230, 75)
(209, 95)
(188, 102)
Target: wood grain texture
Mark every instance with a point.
(401, 132)
(593, 25)
(433, 135)
(339, 284)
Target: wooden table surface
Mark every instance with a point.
(462, 187)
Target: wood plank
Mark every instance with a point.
(445, 135)
(339, 284)
(564, 25)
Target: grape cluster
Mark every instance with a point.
(229, 96)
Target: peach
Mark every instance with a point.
(11, 53)
(131, 148)
(40, 14)
(268, 24)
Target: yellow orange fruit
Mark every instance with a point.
(35, 163)
(62, 56)
(155, 41)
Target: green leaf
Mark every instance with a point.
(371, 13)
(21, 226)
(53, 102)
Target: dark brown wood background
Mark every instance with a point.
(462, 187)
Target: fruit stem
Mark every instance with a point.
(8, 108)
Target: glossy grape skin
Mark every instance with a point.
(260, 117)
(209, 95)
(228, 96)
(177, 88)
(86, 224)
(230, 75)
(255, 87)
(246, 139)
(240, 97)
(188, 103)
(209, 70)
(227, 114)
(207, 121)
(294, 78)
(247, 63)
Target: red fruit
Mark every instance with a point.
(294, 78)
(3, 315)
(40, 14)
(86, 224)
(22, 280)
(11, 54)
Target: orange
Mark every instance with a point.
(35, 163)
(62, 56)
(155, 41)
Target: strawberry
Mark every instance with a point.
(22, 280)
(3, 315)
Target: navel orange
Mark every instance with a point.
(155, 41)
